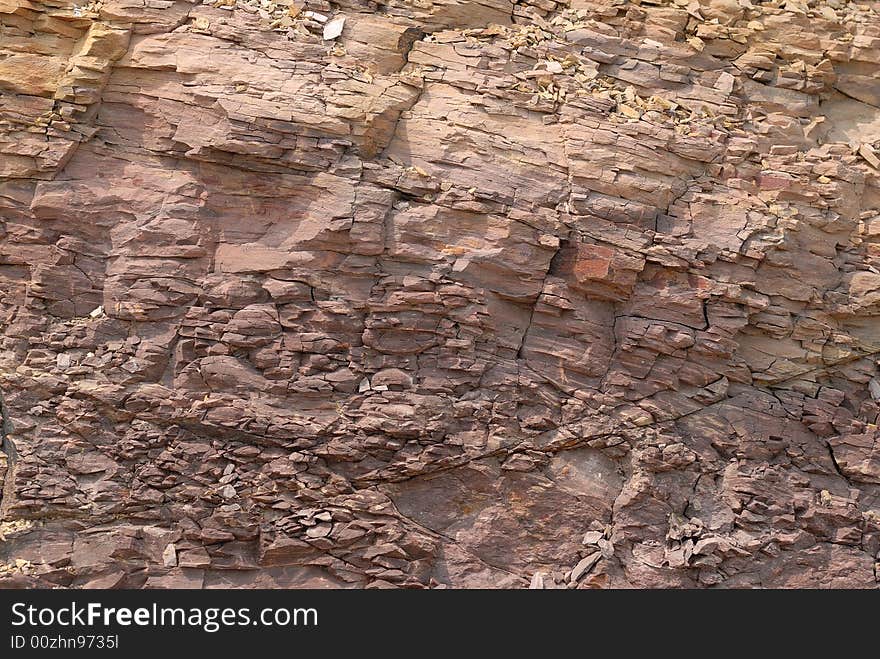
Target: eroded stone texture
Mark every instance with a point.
(475, 293)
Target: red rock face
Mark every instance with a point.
(549, 293)
(605, 272)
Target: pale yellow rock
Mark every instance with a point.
(31, 74)
(867, 152)
(106, 42)
(697, 43)
(629, 111)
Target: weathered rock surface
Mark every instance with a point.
(449, 293)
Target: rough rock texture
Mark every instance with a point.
(469, 293)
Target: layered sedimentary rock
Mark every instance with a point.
(440, 293)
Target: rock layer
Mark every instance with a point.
(449, 293)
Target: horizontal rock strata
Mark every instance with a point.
(440, 293)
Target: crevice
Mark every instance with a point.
(552, 266)
(8, 454)
(819, 369)
(860, 100)
(522, 343)
(407, 40)
(836, 465)
(405, 45)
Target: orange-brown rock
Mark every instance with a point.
(465, 293)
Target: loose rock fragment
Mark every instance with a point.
(334, 28)
(584, 566)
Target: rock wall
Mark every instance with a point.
(473, 293)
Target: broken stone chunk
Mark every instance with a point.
(584, 566)
(169, 556)
(334, 28)
(537, 582)
(867, 152)
(592, 537)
